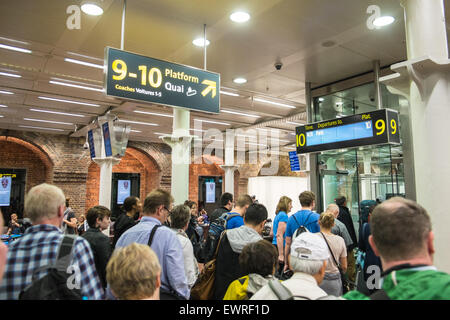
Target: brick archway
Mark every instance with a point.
(134, 161)
(20, 154)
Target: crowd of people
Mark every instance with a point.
(160, 251)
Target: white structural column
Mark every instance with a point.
(106, 165)
(229, 166)
(180, 142)
(428, 69)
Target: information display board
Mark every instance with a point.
(210, 192)
(123, 190)
(370, 128)
(5, 190)
(295, 163)
(137, 77)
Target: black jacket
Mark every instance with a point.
(228, 268)
(217, 213)
(346, 218)
(122, 224)
(101, 248)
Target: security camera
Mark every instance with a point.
(86, 145)
(278, 65)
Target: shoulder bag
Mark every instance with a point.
(344, 279)
(203, 289)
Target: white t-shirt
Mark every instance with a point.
(190, 263)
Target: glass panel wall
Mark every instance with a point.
(364, 173)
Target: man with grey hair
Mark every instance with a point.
(29, 256)
(403, 239)
(308, 259)
(180, 218)
(339, 228)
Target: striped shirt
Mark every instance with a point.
(39, 247)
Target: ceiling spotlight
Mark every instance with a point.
(240, 80)
(91, 8)
(383, 21)
(240, 17)
(199, 42)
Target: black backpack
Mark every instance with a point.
(302, 227)
(55, 285)
(215, 230)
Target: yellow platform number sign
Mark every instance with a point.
(301, 140)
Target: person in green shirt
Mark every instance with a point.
(403, 239)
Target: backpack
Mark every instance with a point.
(283, 293)
(55, 285)
(300, 229)
(215, 230)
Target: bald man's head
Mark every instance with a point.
(334, 209)
(400, 229)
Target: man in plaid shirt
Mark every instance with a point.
(45, 205)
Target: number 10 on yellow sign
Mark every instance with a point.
(154, 74)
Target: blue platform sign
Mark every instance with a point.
(295, 163)
(107, 139)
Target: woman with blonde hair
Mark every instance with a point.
(279, 228)
(332, 283)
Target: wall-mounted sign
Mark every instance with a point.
(107, 139)
(123, 190)
(376, 127)
(295, 163)
(210, 192)
(5, 190)
(132, 76)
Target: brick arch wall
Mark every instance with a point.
(20, 154)
(160, 153)
(134, 161)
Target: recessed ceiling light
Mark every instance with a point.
(321, 99)
(91, 8)
(339, 103)
(138, 122)
(57, 112)
(6, 92)
(76, 86)
(240, 16)
(10, 75)
(70, 101)
(294, 123)
(239, 80)
(41, 128)
(275, 103)
(4, 46)
(199, 42)
(383, 21)
(84, 63)
(229, 93)
(240, 113)
(213, 122)
(48, 121)
(154, 114)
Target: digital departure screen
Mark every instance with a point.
(376, 127)
(340, 133)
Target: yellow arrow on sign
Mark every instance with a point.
(211, 86)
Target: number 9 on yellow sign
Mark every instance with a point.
(393, 126)
(380, 125)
